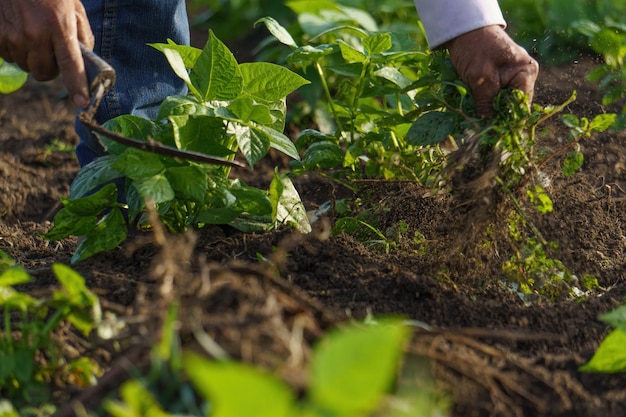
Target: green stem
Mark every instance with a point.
(329, 98)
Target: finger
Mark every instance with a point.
(484, 91)
(83, 28)
(524, 78)
(72, 68)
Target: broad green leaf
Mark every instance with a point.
(235, 389)
(602, 122)
(269, 82)
(309, 136)
(204, 134)
(610, 356)
(353, 368)
(135, 164)
(323, 154)
(350, 53)
(188, 183)
(570, 120)
(181, 58)
(131, 126)
(279, 32)
(311, 6)
(572, 163)
(394, 75)
(13, 276)
(220, 215)
(616, 317)
(377, 43)
(66, 224)
(247, 110)
(12, 78)
(94, 174)
(253, 143)
(433, 127)
(155, 188)
(182, 106)
(216, 74)
(73, 284)
(308, 55)
(92, 204)
(108, 233)
(279, 141)
(252, 201)
(287, 207)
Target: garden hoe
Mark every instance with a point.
(101, 77)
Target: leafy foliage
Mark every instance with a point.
(29, 361)
(610, 356)
(11, 77)
(231, 108)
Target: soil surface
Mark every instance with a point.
(492, 352)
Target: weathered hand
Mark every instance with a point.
(488, 60)
(42, 37)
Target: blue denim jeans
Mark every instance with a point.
(122, 29)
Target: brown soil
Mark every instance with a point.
(493, 354)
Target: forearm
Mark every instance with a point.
(446, 19)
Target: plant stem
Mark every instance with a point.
(320, 72)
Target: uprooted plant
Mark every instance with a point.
(390, 109)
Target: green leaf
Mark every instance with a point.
(572, 163)
(570, 120)
(99, 171)
(247, 110)
(279, 141)
(136, 401)
(135, 164)
(307, 55)
(130, 126)
(108, 233)
(181, 58)
(253, 143)
(24, 365)
(188, 183)
(324, 154)
(14, 276)
(353, 368)
(610, 356)
(269, 82)
(432, 128)
(155, 188)
(73, 283)
(287, 207)
(394, 75)
(219, 215)
(602, 122)
(5, 261)
(216, 74)
(182, 106)
(92, 204)
(377, 43)
(235, 389)
(66, 224)
(540, 199)
(616, 318)
(204, 134)
(12, 78)
(350, 53)
(279, 32)
(252, 201)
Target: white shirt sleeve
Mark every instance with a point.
(444, 20)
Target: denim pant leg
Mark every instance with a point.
(122, 29)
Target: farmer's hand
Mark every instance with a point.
(42, 37)
(488, 60)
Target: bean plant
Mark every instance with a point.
(231, 108)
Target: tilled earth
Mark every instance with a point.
(491, 352)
